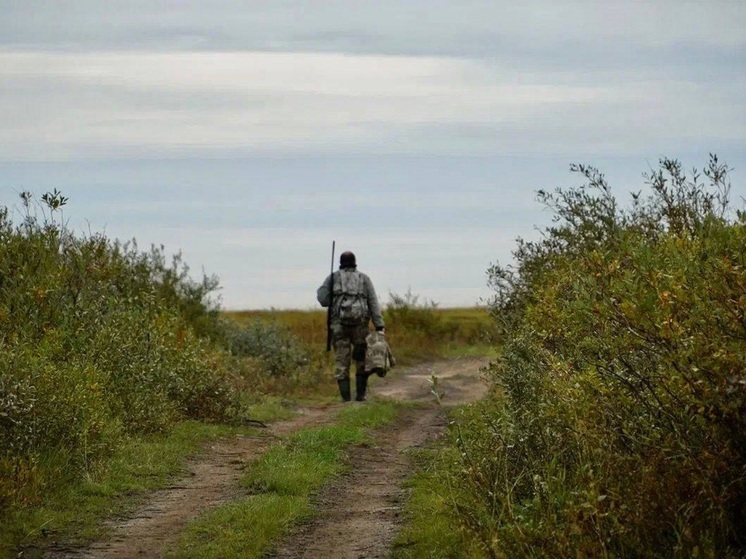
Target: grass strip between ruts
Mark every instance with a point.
(281, 483)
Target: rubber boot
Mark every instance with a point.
(361, 386)
(344, 389)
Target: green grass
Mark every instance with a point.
(303, 462)
(282, 482)
(74, 511)
(430, 529)
(242, 529)
(268, 409)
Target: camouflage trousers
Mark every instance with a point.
(349, 345)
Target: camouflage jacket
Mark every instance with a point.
(372, 310)
(378, 356)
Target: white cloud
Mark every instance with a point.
(55, 105)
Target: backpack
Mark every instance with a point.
(350, 305)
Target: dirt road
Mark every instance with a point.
(357, 514)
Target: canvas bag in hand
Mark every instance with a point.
(378, 356)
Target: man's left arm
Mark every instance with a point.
(373, 307)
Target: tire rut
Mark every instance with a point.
(358, 514)
(211, 480)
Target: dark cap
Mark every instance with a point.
(347, 260)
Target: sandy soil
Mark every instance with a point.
(358, 514)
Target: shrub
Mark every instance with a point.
(617, 421)
(277, 350)
(99, 339)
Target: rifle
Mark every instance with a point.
(331, 303)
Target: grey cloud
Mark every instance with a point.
(426, 27)
(571, 42)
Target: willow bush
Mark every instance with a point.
(99, 339)
(617, 423)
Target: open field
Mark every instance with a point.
(414, 331)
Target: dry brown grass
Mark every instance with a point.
(415, 332)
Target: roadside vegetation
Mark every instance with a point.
(617, 417)
(116, 365)
(72, 512)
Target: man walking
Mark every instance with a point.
(354, 305)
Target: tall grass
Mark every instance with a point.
(617, 420)
(416, 329)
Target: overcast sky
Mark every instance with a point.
(250, 134)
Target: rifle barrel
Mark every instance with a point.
(331, 303)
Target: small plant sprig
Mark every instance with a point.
(54, 200)
(433, 381)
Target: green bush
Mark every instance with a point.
(617, 424)
(98, 339)
(275, 348)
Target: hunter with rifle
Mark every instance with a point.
(352, 302)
